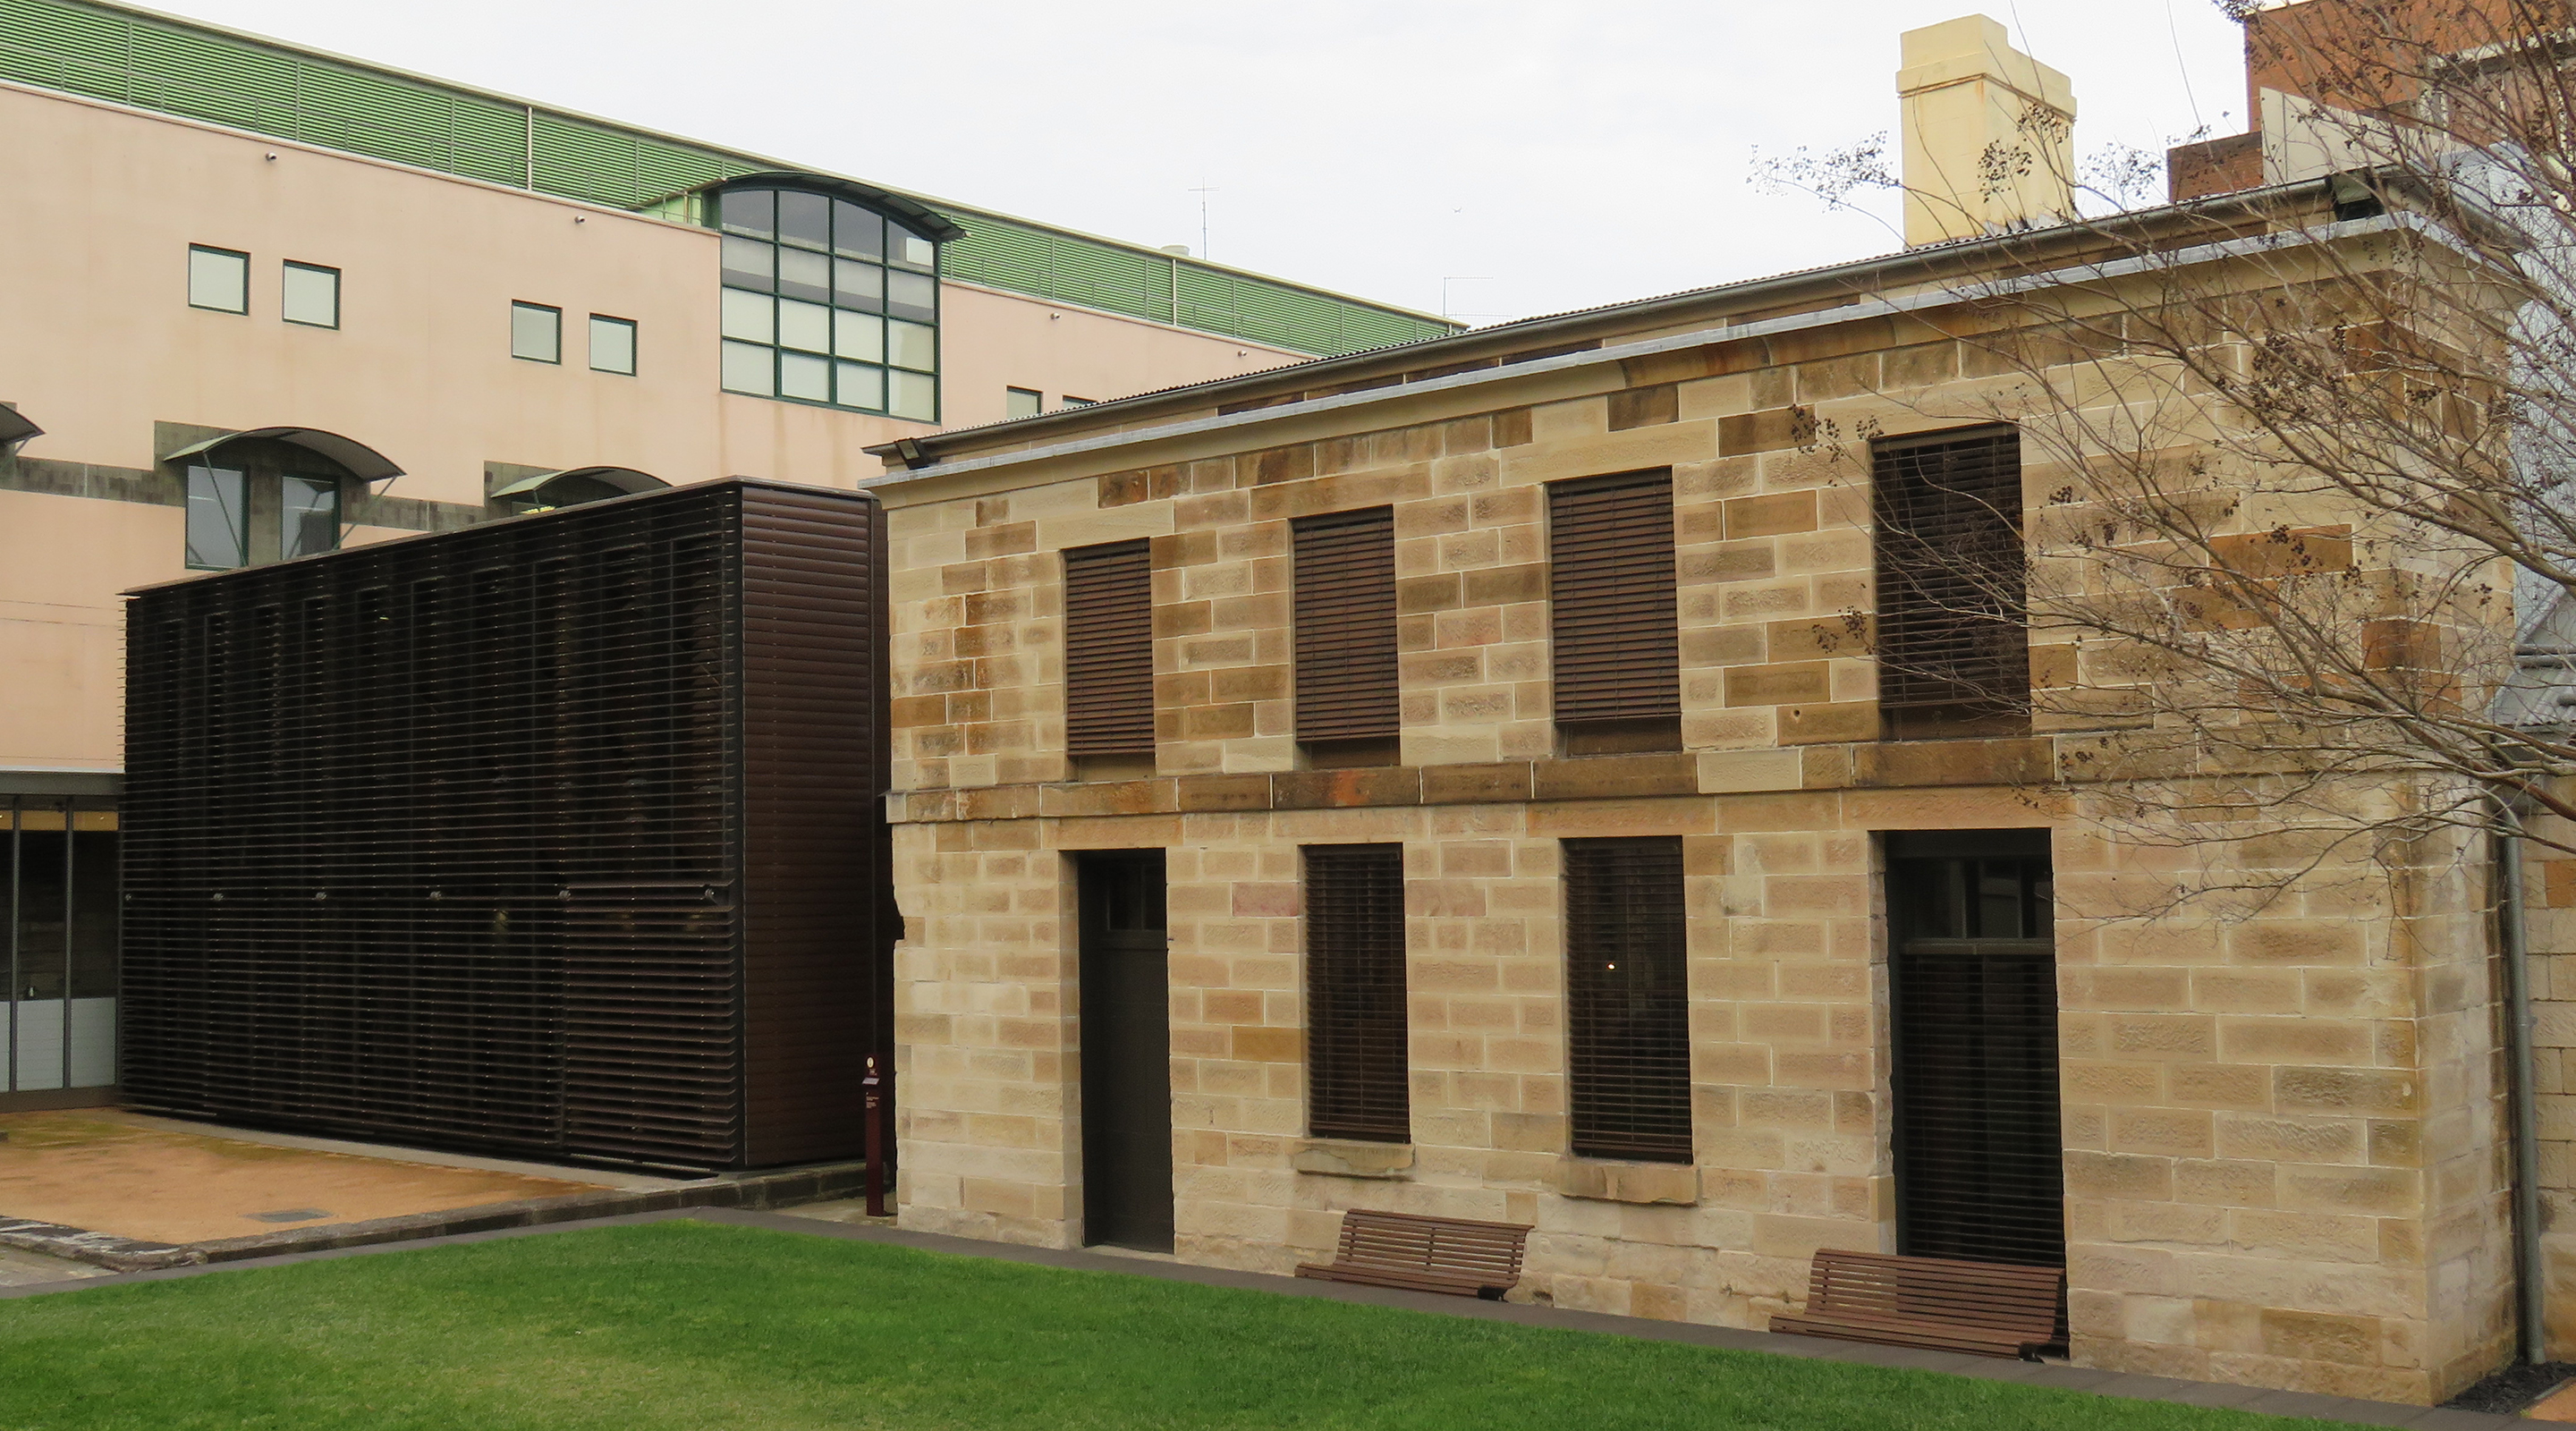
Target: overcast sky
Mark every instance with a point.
(1535, 156)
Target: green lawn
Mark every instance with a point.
(699, 1326)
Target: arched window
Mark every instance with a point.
(271, 493)
(829, 298)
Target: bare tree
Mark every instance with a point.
(2304, 568)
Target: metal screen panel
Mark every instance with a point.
(1611, 588)
(1953, 640)
(442, 840)
(1345, 613)
(1109, 649)
(1357, 1037)
(1979, 1152)
(1628, 999)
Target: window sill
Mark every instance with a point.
(1603, 1180)
(1351, 1158)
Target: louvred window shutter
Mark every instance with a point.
(1109, 649)
(1611, 588)
(1356, 1033)
(1628, 999)
(1346, 679)
(1953, 640)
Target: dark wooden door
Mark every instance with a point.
(1979, 1154)
(1126, 1052)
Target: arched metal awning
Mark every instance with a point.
(15, 428)
(921, 218)
(624, 479)
(356, 458)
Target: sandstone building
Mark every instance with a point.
(1521, 776)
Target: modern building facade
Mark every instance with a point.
(282, 302)
(1536, 775)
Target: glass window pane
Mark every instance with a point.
(311, 295)
(913, 295)
(536, 333)
(802, 377)
(856, 231)
(858, 285)
(804, 275)
(861, 386)
(1022, 402)
(804, 325)
(911, 249)
(219, 279)
(916, 396)
(750, 263)
(612, 345)
(859, 336)
(804, 218)
(750, 316)
(218, 501)
(748, 369)
(910, 345)
(308, 516)
(750, 211)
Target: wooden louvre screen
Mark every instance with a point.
(1346, 683)
(1953, 640)
(1109, 649)
(1357, 1052)
(1979, 1156)
(1611, 594)
(1627, 988)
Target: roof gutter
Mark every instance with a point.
(917, 449)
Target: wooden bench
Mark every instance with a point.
(1983, 1308)
(1426, 1254)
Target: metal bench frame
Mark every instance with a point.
(1453, 1255)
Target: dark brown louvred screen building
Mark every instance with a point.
(1109, 649)
(1357, 1050)
(1628, 999)
(1346, 676)
(557, 837)
(1612, 611)
(1953, 642)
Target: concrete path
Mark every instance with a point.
(835, 1220)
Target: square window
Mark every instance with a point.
(218, 519)
(859, 337)
(750, 369)
(913, 346)
(806, 326)
(612, 345)
(856, 385)
(858, 285)
(802, 377)
(750, 263)
(750, 211)
(914, 296)
(750, 317)
(804, 275)
(536, 332)
(856, 231)
(804, 218)
(218, 278)
(1022, 402)
(915, 395)
(308, 516)
(310, 295)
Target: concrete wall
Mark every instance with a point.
(2281, 1124)
(102, 345)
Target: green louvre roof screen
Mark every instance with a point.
(159, 64)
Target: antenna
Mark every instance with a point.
(1203, 191)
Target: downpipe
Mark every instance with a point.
(2532, 1301)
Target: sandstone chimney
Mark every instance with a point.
(1989, 134)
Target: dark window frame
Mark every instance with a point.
(241, 257)
(1614, 613)
(1109, 651)
(634, 344)
(1348, 692)
(1951, 633)
(1627, 975)
(518, 306)
(293, 266)
(758, 225)
(1358, 1030)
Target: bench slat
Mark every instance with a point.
(1991, 1308)
(1436, 1254)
